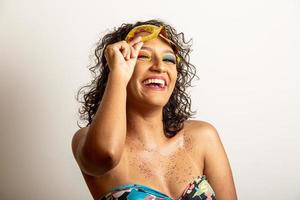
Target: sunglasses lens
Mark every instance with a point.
(147, 32)
(141, 33)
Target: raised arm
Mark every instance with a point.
(98, 148)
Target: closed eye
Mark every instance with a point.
(170, 60)
(143, 57)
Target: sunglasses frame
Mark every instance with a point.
(154, 31)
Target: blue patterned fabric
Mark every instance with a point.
(198, 189)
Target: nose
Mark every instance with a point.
(158, 66)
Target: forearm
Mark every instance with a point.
(107, 132)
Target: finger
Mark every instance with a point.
(136, 48)
(135, 40)
(123, 51)
(132, 52)
(121, 45)
(129, 53)
(129, 50)
(126, 51)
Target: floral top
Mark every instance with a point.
(198, 189)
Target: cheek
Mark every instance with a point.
(175, 76)
(136, 71)
(139, 68)
(136, 76)
(175, 73)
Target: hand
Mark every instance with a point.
(122, 56)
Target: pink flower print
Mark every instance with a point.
(189, 188)
(208, 195)
(149, 197)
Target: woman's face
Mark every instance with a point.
(156, 63)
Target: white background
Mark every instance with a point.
(247, 55)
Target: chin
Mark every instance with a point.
(155, 102)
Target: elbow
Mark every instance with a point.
(97, 163)
(96, 157)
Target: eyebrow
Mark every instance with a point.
(165, 51)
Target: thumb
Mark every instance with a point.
(136, 48)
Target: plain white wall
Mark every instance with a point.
(247, 55)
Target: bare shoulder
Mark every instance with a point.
(216, 163)
(201, 130)
(203, 135)
(196, 134)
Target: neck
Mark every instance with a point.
(145, 126)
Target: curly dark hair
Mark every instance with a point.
(178, 108)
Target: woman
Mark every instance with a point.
(139, 143)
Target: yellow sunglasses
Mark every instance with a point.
(149, 32)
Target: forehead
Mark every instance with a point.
(157, 44)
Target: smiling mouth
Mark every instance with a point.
(155, 82)
(155, 86)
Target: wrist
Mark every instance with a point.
(118, 78)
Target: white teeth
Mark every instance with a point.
(159, 81)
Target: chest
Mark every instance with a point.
(164, 168)
(168, 170)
